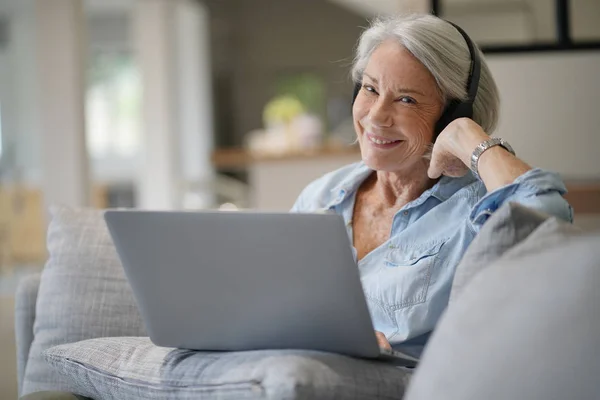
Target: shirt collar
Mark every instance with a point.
(446, 186)
(349, 184)
(442, 190)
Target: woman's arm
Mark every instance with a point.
(497, 167)
(506, 177)
(452, 156)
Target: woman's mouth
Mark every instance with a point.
(379, 142)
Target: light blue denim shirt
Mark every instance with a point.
(407, 279)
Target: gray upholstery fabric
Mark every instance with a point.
(133, 368)
(526, 327)
(549, 234)
(507, 227)
(83, 293)
(52, 396)
(25, 300)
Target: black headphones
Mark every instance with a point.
(456, 108)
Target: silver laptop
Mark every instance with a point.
(236, 281)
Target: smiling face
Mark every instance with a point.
(396, 109)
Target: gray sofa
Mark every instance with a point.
(523, 322)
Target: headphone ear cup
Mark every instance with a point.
(456, 109)
(445, 118)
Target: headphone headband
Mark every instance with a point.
(475, 69)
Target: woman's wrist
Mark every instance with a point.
(466, 139)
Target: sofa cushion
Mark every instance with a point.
(506, 228)
(526, 327)
(25, 301)
(83, 293)
(134, 368)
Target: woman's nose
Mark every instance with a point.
(380, 113)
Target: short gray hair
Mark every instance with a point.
(443, 51)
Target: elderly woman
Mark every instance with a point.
(429, 177)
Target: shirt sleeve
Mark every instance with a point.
(538, 189)
(299, 204)
(305, 201)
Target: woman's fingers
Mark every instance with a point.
(382, 341)
(444, 163)
(435, 169)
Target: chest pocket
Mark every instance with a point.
(404, 277)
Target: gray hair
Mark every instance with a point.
(443, 51)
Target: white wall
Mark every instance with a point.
(60, 62)
(550, 109)
(174, 59)
(373, 8)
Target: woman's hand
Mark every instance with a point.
(382, 341)
(451, 154)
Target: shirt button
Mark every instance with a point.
(405, 213)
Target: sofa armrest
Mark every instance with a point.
(25, 301)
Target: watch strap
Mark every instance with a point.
(486, 145)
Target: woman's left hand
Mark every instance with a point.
(452, 150)
(382, 341)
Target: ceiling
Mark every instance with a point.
(108, 6)
(93, 6)
(374, 8)
(370, 8)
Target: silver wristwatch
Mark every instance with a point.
(483, 147)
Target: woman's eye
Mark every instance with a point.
(407, 100)
(369, 88)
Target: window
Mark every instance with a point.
(113, 107)
(526, 25)
(584, 20)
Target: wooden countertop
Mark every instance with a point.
(236, 158)
(583, 195)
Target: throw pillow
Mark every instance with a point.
(83, 293)
(506, 228)
(526, 327)
(134, 368)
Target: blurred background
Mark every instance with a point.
(196, 104)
